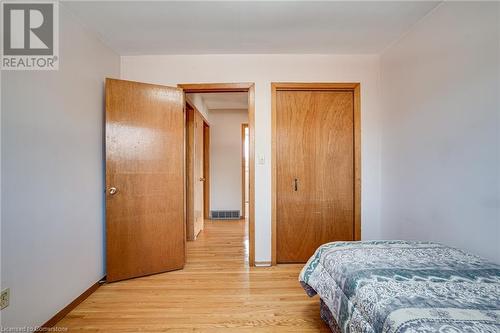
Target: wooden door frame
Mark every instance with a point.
(250, 89)
(243, 171)
(290, 86)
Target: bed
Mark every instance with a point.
(402, 286)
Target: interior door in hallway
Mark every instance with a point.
(145, 230)
(195, 177)
(315, 171)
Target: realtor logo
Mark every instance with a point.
(30, 36)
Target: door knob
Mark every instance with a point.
(112, 190)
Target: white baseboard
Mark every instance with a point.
(262, 263)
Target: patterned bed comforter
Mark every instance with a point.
(400, 286)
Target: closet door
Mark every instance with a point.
(314, 171)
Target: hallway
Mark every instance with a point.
(215, 292)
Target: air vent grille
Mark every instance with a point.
(225, 214)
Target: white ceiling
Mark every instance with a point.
(225, 101)
(226, 27)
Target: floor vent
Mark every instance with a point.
(225, 214)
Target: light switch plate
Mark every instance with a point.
(261, 159)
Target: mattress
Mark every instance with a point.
(402, 286)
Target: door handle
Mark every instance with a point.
(296, 185)
(113, 190)
(202, 179)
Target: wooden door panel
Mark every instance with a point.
(190, 123)
(198, 174)
(144, 162)
(206, 171)
(195, 183)
(315, 146)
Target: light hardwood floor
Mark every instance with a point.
(215, 292)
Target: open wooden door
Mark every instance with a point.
(144, 179)
(195, 174)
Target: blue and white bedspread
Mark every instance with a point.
(400, 286)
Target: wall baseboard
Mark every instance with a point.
(262, 263)
(67, 309)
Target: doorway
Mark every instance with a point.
(146, 175)
(227, 159)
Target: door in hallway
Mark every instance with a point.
(314, 170)
(145, 231)
(195, 172)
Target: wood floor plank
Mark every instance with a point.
(215, 292)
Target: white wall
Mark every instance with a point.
(441, 125)
(52, 177)
(199, 104)
(262, 69)
(225, 159)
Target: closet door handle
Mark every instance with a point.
(296, 185)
